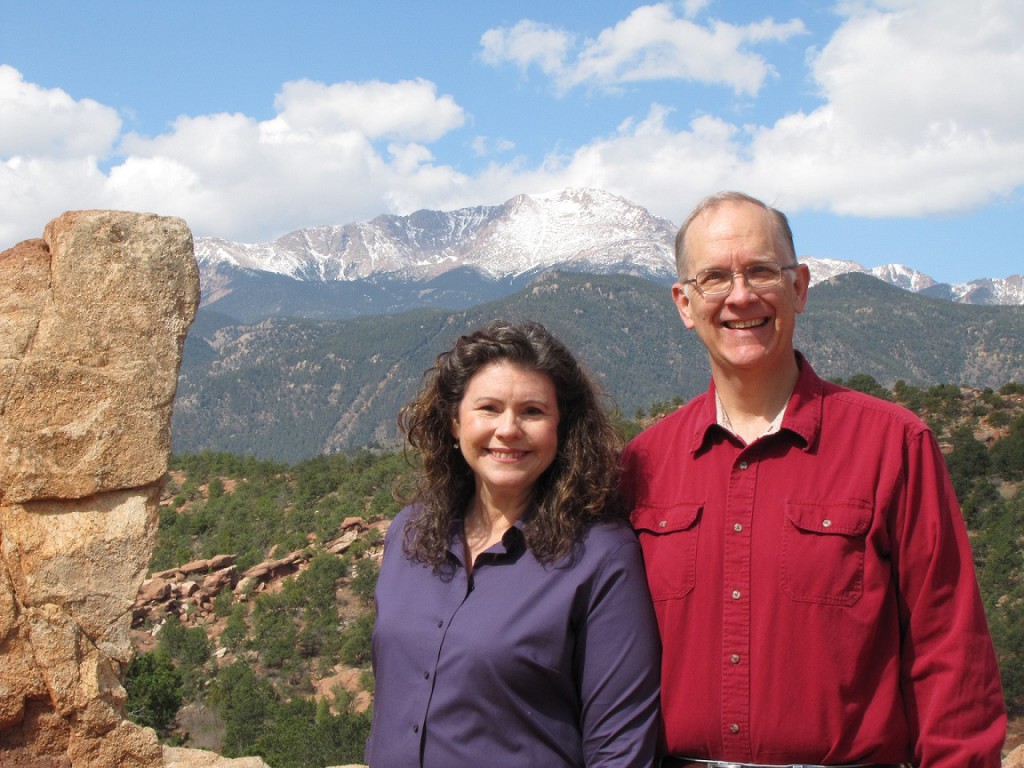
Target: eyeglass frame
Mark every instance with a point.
(732, 278)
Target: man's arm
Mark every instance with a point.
(950, 677)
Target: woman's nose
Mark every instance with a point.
(508, 424)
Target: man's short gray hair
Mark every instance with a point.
(783, 233)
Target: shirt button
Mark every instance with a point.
(735, 658)
(737, 527)
(440, 624)
(415, 729)
(426, 675)
(744, 465)
(734, 728)
(735, 594)
(826, 523)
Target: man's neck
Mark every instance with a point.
(751, 400)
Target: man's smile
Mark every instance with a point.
(742, 325)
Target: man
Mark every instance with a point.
(809, 564)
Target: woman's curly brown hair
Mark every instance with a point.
(578, 489)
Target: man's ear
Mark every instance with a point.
(801, 285)
(682, 302)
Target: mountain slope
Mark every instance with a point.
(289, 389)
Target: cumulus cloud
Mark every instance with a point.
(339, 152)
(916, 111)
(525, 44)
(408, 110)
(919, 114)
(652, 43)
(47, 121)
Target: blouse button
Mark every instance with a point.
(826, 523)
(744, 465)
(735, 594)
(737, 527)
(735, 658)
(734, 728)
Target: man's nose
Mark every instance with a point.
(740, 290)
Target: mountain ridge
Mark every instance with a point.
(288, 388)
(582, 230)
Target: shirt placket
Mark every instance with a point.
(735, 722)
(454, 601)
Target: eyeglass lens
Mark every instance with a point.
(716, 281)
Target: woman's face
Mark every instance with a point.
(507, 428)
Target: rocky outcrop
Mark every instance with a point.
(93, 317)
(188, 591)
(199, 758)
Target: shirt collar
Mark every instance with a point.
(513, 540)
(722, 418)
(801, 415)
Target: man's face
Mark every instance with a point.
(743, 331)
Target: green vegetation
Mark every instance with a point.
(277, 641)
(270, 504)
(154, 691)
(291, 389)
(258, 688)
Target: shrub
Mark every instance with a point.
(154, 691)
(357, 640)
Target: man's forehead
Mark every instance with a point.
(728, 222)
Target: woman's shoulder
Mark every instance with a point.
(606, 536)
(400, 522)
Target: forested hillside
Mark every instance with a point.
(290, 389)
(266, 649)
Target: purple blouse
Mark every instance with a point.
(522, 664)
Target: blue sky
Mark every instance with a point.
(891, 131)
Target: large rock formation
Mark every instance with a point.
(93, 317)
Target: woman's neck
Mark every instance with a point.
(486, 522)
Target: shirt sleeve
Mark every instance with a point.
(618, 660)
(950, 677)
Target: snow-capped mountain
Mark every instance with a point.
(582, 230)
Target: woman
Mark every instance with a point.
(514, 626)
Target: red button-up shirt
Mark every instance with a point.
(814, 590)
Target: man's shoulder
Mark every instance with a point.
(680, 420)
(844, 399)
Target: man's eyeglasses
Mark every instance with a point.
(718, 282)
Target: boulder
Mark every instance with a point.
(93, 317)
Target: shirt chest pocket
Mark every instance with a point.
(823, 549)
(668, 537)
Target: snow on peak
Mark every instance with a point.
(580, 229)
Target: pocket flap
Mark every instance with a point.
(659, 520)
(845, 518)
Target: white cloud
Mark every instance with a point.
(652, 43)
(922, 112)
(47, 121)
(484, 146)
(527, 43)
(918, 112)
(315, 161)
(409, 110)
